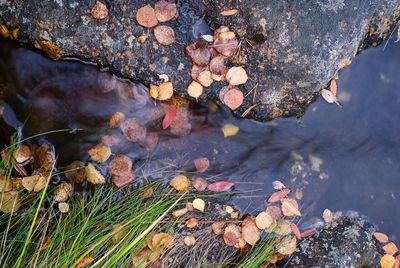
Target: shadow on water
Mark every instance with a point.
(337, 158)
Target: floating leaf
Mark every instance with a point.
(287, 246)
(275, 212)
(93, 175)
(179, 213)
(277, 196)
(199, 55)
(180, 183)
(329, 97)
(264, 220)
(278, 185)
(295, 230)
(146, 16)
(390, 248)
(100, 153)
(307, 233)
(220, 186)
(290, 207)
(381, 237)
(229, 12)
(189, 241)
(170, 116)
(199, 204)
(199, 184)
(116, 120)
(196, 70)
(165, 35)
(153, 92)
(165, 11)
(327, 215)
(218, 227)
(195, 89)
(387, 261)
(236, 76)
(192, 222)
(250, 232)
(201, 164)
(99, 11)
(233, 98)
(229, 130)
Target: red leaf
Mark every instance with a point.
(169, 117)
(220, 186)
(295, 230)
(308, 233)
(277, 196)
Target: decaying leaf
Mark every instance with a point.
(205, 78)
(208, 37)
(387, 261)
(233, 98)
(290, 207)
(29, 182)
(281, 227)
(52, 50)
(390, 248)
(22, 153)
(5, 184)
(161, 239)
(99, 11)
(329, 97)
(192, 222)
(225, 41)
(381, 237)
(10, 201)
(165, 91)
(146, 16)
(63, 191)
(189, 241)
(40, 184)
(274, 212)
(333, 87)
(170, 115)
(218, 227)
(133, 131)
(116, 119)
(217, 65)
(63, 207)
(120, 169)
(229, 12)
(46, 244)
(220, 186)
(287, 246)
(180, 183)
(229, 130)
(295, 230)
(250, 232)
(179, 213)
(307, 233)
(75, 172)
(232, 235)
(93, 175)
(195, 89)
(236, 76)
(110, 140)
(278, 185)
(201, 164)
(165, 35)
(199, 55)
(86, 261)
(264, 220)
(277, 196)
(327, 215)
(199, 184)
(100, 153)
(165, 11)
(199, 204)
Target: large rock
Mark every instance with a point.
(291, 48)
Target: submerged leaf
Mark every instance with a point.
(277, 196)
(220, 186)
(170, 116)
(200, 184)
(290, 207)
(229, 130)
(146, 16)
(201, 164)
(165, 11)
(327, 215)
(180, 183)
(287, 246)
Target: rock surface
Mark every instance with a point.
(290, 49)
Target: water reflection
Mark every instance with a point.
(337, 158)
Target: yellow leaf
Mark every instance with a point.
(199, 204)
(387, 261)
(287, 246)
(229, 130)
(180, 183)
(264, 220)
(153, 91)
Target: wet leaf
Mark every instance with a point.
(287, 246)
(208, 37)
(199, 55)
(146, 16)
(277, 196)
(201, 164)
(225, 41)
(165, 11)
(192, 222)
(165, 35)
(170, 116)
(116, 120)
(229, 130)
(153, 92)
(40, 184)
(236, 76)
(199, 204)
(229, 209)
(133, 131)
(220, 186)
(218, 227)
(22, 153)
(233, 98)
(333, 87)
(295, 230)
(290, 207)
(381, 237)
(161, 239)
(93, 175)
(390, 248)
(75, 172)
(387, 261)
(278, 185)
(205, 78)
(327, 215)
(275, 212)
(63, 191)
(180, 183)
(100, 153)
(200, 184)
(264, 220)
(86, 261)
(307, 233)
(229, 12)
(120, 169)
(195, 89)
(29, 182)
(165, 91)
(46, 244)
(10, 201)
(63, 207)
(196, 70)
(250, 232)
(99, 11)
(217, 65)
(5, 184)
(179, 213)
(232, 234)
(4, 32)
(281, 227)
(52, 50)
(189, 241)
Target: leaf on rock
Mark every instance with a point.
(287, 246)
(327, 215)
(229, 130)
(199, 204)
(201, 164)
(236, 76)
(205, 78)
(146, 16)
(199, 55)
(195, 89)
(133, 131)
(277, 196)
(233, 98)
(218, 227)
(75, 171)
(170, 116)
(381, 237)
(189, 241)
(220, 186)
(387, 261)
(281, 227)
(165, 11)
(99, 11)
(196, 70)
(199, 184)
(225, 41)
(295, 230)
(290, 207)
(264, 220)
(165, 35)
(153, 92)
(229, 12)
(100, 153)
(165, 91)
(180, 183)
(390, 248)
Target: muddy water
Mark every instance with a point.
(337, 158)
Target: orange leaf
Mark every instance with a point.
(170, 116)
(381, 237)
(277, 196)
(229, 12)
(295, 230)
(146, 16)
(220, 186)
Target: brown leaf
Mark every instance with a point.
(52, 50)
(196, 70)
(161, 239)
(40, 184)
(100, 153)
(116, 120)
(287, 246)
(63, 207)
(180, 183)
(4, 32)
(290, 207)
(93, 175)
(264, 220)
(199, 184)
(233, 98)
(165, 35)
(165, 91)
(120, 169)
(86, 261)
(218, 227)
(75, 172)
(195, 89)
(146, 16)
(10, 201)
(250, 232)
(133, 131)
(229, 12)
(217, 65)
(236, 76)
(46, 244)
(63, 191)
(225, 41)
(99, 11)
(165, 11)
(192, 222)
(381, 237)
(387, 261)
(189, 241)
(29, 182)
(230, 238)
(275, 212)
(199, 55)
(22, 153)
(295, 230)
(6, 185)
(277, 196)
(202, 164)
(390, 248)
(110, 140)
